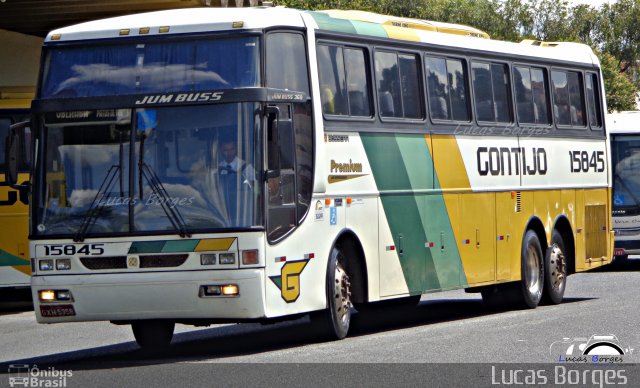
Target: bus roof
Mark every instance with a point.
(195, 20)
(394, 21)
(623, 122)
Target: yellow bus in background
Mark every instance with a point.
(15, 270)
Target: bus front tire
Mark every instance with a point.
(333, 322)
(532, 282)
(153, 335)
(555, 271)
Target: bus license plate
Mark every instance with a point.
(63, 310)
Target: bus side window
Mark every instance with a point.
(388, 80)
(593, 101)
(357, 82)
(530, 84)
(399, 85)
(332, 80)
(568, 98)
(576, 99)
(447, 90)
(482, 95)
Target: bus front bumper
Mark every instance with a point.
(157, 295)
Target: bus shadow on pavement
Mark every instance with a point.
(626, 265)
(246, 339)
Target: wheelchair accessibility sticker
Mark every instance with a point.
(333, 216)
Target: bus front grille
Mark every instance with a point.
(104, 262)
(162, 261)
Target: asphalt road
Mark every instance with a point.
(383, 348)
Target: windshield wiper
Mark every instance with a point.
(158, 189)
(94, 211)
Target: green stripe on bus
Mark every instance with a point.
(180, 246)
(146, 247)
(372, 29)
(163, 246)
(401, 208)
(9, 260)
(326, 22)
(400, 163)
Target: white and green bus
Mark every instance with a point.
(229, 165)
(624, 132)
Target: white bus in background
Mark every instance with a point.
(624, 130)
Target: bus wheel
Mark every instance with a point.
(153, 335)
(334, 321)
(555, 270)
(532, 281)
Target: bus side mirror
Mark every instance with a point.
(14, 152)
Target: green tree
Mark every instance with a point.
(619, 31)
(620, 91)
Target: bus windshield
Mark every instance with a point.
(135, 68)
(172, 169)
(626, 171)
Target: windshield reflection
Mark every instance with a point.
(192, 168)
(134, 68)
(626, 171)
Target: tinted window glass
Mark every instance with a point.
(357, 82)
(438, 88)
(593, 101)
(524, 97)
(287, 62)
(332, 80)
(576, 95)
(130, 68)
(483, 93)
(411, 86)
(540, 96)
(388, 82)
(457, 79)
(568, 98)
(561, 108)
(446, 85)
(531, 95)
(501, 95)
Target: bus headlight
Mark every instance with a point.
(228, 258)
(45, 265)
(63, 295)
(63, 264)
(208, 259)
(54, 295)
(47, 295)
(230, 290)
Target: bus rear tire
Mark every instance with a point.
(333, 322)
(532, 282)
(555, 270)
(153, 335)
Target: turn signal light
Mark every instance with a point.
(250, 257)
